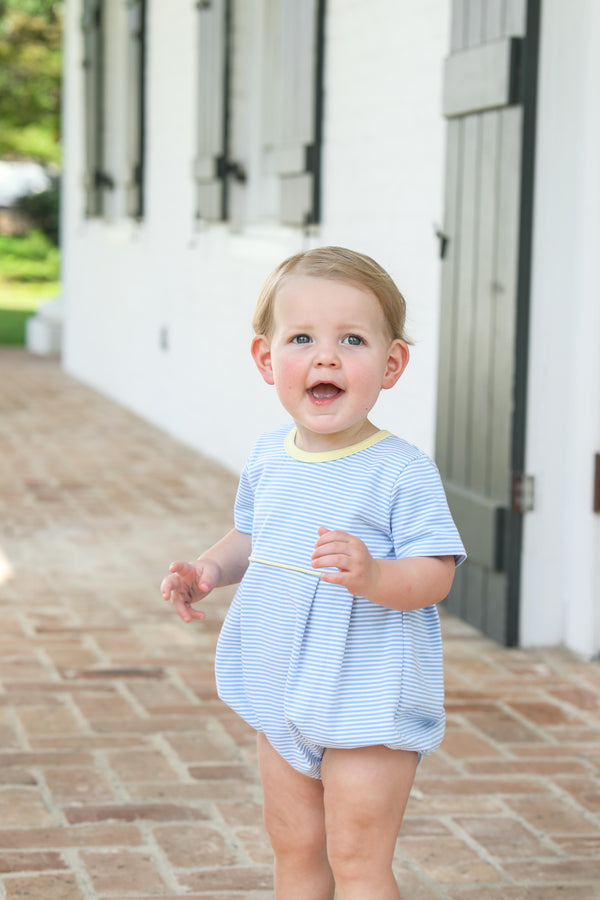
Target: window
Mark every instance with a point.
(259, 110)
(114, 120)
(214, 25)
(135, 119)
(293, 139)
(92, 24)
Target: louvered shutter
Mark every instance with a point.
(93, 80)
(489, 102)
(136, 10)
(295, 155)
(210, 162)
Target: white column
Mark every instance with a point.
(561, 570)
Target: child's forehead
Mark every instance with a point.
(297, 289)
(306, 302)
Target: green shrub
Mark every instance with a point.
(30, 258)
(15, 269)
(42, 210)
(34, 245)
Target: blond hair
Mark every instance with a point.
(338, 264)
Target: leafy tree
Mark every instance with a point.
(30, 79)
(47, 9)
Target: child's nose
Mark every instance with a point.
(327, 354)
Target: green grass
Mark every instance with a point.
(29, 268)
(18, 302)
(12, 326)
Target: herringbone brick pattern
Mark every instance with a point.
(123, 776)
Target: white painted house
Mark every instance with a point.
(205, 141)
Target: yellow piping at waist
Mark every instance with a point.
(279, 565)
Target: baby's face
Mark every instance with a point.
(329, 356)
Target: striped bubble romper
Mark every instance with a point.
(304, 661)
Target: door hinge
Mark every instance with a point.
(522, 493)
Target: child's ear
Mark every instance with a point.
(261, 354)
(398, 356)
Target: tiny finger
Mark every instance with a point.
(166, 588)
(333, 577)
(330, 547)
(197, 613)
(332, 560)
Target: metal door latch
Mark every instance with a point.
(522, 494)
(443, 239)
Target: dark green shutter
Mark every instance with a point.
(135, 87)
(210, 162)
(296, 152)
(93, 87)
(489, 102)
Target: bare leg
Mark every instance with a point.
(366, 792)
(295, 821)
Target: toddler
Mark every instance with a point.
(342, 547)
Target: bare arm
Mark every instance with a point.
(222, 564)
(403, 584)
(230, 554)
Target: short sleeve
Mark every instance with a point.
(244, 504)
(420, 518)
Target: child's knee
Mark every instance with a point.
(292, 835)
(293, 810)
(363, 820)
(360, 858)
(346, 852)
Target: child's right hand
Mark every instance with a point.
(188, 583)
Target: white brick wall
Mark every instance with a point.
(384, 152)
(382, 181)
(126, 285)
(561, 559)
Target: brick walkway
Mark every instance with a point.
(123, 776)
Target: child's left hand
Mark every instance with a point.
(357, 571)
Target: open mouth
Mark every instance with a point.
(324, 391)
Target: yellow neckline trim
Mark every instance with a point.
(328, 455)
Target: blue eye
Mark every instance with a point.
(301, 339)
(353, 339)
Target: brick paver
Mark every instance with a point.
(121, 774)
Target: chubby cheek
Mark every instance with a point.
(289, 373)
(367, 385)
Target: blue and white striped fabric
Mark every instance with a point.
(304, 661)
